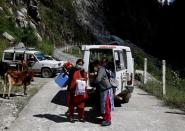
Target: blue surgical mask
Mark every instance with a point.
(79, 67)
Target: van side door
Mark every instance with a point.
(120, 68)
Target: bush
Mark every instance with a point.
(3, 45)
(28, 37)
(153, 87)
(46, 47)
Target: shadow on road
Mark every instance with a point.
(11, 95)
(92, 115)
(178, 113)
(52, 117)
(60, 98)
(144, 94)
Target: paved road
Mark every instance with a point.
(45, 112)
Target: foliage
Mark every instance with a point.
(175, 92)
(76, 51)
(27, 36)
(3, 45)
(46, 47)
(60, 19)
(153, 87)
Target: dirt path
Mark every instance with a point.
(9, 109)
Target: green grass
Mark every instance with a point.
(175, 86)
(153, 87)
(175, 95)
(3, 45)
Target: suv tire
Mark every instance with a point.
(46, 73)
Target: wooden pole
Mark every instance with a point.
(145, 71)
(164, 76)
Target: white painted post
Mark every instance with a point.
(79, 51)
(71, 50)
(67, 49)
(145, 71)
(133, 72)
(164, 76)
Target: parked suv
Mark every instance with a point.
(36, 61)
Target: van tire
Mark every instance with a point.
(46, 73)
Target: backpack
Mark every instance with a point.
(112, 79)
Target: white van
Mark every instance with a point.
(120, 57)
(36, 61)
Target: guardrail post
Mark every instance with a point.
(71, 49)
(145, 71)
(133, 71)
(79, 51)
(67, 49)
(164, 76)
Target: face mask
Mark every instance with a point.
(79, 67)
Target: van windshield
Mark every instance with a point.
(39, 56)
(99, 54)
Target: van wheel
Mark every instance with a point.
(46, 73)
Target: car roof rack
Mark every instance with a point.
(23, 48)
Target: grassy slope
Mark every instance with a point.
(175, 90)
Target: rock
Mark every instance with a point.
(20, 14)
(22, 22)
(38, 37)
(32, 25)
(1, 9)
(24, 11)
(20, 45)
(21, 19)
(10, 11)
(8, 37)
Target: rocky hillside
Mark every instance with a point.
(147, 23)
(45, 22)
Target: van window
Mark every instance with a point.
(119, 60)
(100, 54)
(8, 56)
(125, 58)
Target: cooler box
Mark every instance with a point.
(62, 79)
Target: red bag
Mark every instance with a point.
(80, 98)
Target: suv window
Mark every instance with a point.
(40, 56)
(30, 57)
(8, 56)
(19, 56)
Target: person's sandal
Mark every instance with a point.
(106, 123)
(81, 120)
(71, 119)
